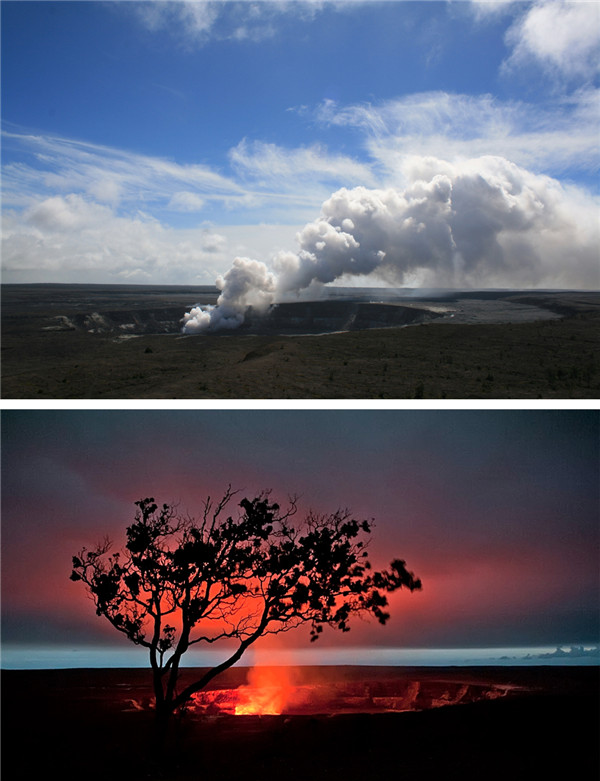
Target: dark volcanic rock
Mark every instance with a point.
(316, 317)
(136, 321)
(310, 317)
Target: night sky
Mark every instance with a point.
(496, 511)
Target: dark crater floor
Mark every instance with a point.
(314, 317)
(321, 317)
(130, 311)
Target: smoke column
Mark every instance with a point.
(247, 283)
(480, 223)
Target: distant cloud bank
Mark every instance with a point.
(575, 652)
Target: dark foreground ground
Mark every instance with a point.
(81, 724)
(69, 341)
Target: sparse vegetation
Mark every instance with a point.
(546, 359)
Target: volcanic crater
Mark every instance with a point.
(321, 317)
(295, 318)
(350, 728)
(126, 341)
(277, 696)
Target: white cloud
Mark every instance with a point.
(185, 201)
(107, 174)
(562, 37)
(553, 139)
(71, 213)
(268, 181)
(195, 22)
(75, 210)
(73, 238)
(271, 165)
(80, 211)
(87, 211)
(488, 8)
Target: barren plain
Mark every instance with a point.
(111, 342)
(96, 724)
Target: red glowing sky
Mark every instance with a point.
(496, 511)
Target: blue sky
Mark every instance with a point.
(154, 142)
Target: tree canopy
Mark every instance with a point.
(180, 581)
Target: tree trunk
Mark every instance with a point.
(162, 723)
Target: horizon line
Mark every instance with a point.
(23, 657)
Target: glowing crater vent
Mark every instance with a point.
(269, 690)
(280, 690)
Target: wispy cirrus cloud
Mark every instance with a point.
(272, 165)
(196, 19)
(488, 8)
(280, 181)
(76, 209)
(46, 165)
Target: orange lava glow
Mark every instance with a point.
(267, 693)
(273, 691)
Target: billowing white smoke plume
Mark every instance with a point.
(247, 283)
(480, 223)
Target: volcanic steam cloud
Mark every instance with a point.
(479, 223)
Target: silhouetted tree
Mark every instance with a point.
(180, 581)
